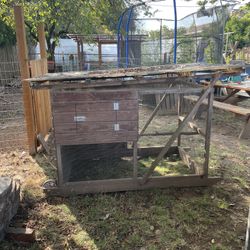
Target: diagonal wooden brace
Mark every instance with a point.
(179, 130)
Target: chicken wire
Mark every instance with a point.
(12, 125)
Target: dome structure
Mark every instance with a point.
(155, 33)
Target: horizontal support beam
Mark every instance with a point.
(187, 90)
(126, 184)
(169, 133)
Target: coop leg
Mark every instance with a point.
(135, 165)
(180, 101)
(59, 165)
(208, 130)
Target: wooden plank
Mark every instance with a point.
(41, 99)
(24, 69)
(73, 96)
(97, 137)
(208, 131)
(135, 163)
(92, 127)
(135, 72)
(178, 131)
(118, 83)
(116, 185)
(146, 91)
(94, 106)
(179, 105)
(105, 116)
(169, 133)
(224, 106)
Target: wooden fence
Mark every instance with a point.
(37, 108)
(41, 99)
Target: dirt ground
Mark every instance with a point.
(196, 218)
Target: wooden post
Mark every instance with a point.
(78, 54)
(24, 68)
(135, 166)
(82, 56)
(208, 130)
(42, 41)
(179, 114)
(99, 54)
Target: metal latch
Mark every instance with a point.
(116, 105)
(116, 126)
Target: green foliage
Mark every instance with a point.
(239, 24)
(7, 35)
(65, 16)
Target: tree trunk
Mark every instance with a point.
(51, 49)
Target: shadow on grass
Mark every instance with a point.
(197, 218)
(152, 219)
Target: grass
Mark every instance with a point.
(211, 218)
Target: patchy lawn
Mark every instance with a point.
(196, 218)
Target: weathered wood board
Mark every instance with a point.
(95, 116)
(183, 70)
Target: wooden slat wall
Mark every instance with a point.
(41, 99)
(97, 110)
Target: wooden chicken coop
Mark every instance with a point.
(96, 120)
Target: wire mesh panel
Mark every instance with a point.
(12, 126)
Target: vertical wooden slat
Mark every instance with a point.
(24, 69)
(45, 94)
(41, 98)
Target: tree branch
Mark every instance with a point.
(31, 32)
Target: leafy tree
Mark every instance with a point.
(7, 35)
(239, 25)
(65, 16)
